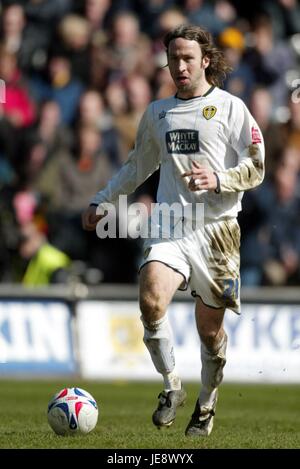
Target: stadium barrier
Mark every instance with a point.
(96, 333)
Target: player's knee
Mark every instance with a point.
(151, 308)
(209, 337)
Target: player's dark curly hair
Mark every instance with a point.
(218, 68)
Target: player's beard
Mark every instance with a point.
(189, 87)
(192, 84)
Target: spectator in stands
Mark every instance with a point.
(47, 13)
(115, 97)
(96, 12)
(214, 16)
(81, 172)
(61, 87)
(283, 264)
(100, 13)
(46, 264)
(149, 13)
(38, 168)
(12, 26)
(67, 182)
(285, 16)
(261, 107)
(46, 138)
(34, 160)
(139, 96)
(8, 150)
(92, 112)
(23, 38)
(290, 130)
(241, 80)
(50, 129)
(18, 107)
(126, 51)
(270, 247)
(8, 235)
(75, 34)
(270, 60)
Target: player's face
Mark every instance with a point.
(187, 67)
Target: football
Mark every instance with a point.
(72, 411)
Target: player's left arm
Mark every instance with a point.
(202, 178)
(246, 139)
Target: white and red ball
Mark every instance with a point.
(72, 411)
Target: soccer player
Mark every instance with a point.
(209, 149)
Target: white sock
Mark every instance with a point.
(212, 372)
(172, 381)
(206, 398)
(158, 339)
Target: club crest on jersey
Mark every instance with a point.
(209, 112)
(162, 115)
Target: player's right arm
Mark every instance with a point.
(142, 162)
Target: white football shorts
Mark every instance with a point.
(208, 259)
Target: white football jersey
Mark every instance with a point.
(216, 130)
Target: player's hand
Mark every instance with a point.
(202, 178)
(90, 219)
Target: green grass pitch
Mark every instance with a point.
(248, 416)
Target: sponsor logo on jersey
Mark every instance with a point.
(162, 115)
(209, 112)
(256, 138)
(182, 141)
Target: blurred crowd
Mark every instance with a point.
(78, 76)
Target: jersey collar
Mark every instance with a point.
(200, 96)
